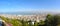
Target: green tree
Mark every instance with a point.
(57, 21)
(41, 23)
(50, 20)
(36, 24)
(30, 23)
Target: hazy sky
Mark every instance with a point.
(29, 5)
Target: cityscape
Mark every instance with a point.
(29, 12)
(26, 17)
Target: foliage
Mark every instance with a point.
(51, 20)
(41, 22)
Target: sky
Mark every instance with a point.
(29, 5)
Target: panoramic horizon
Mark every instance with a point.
(7, 6)
(29, 12)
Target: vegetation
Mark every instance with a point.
(51, 20)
